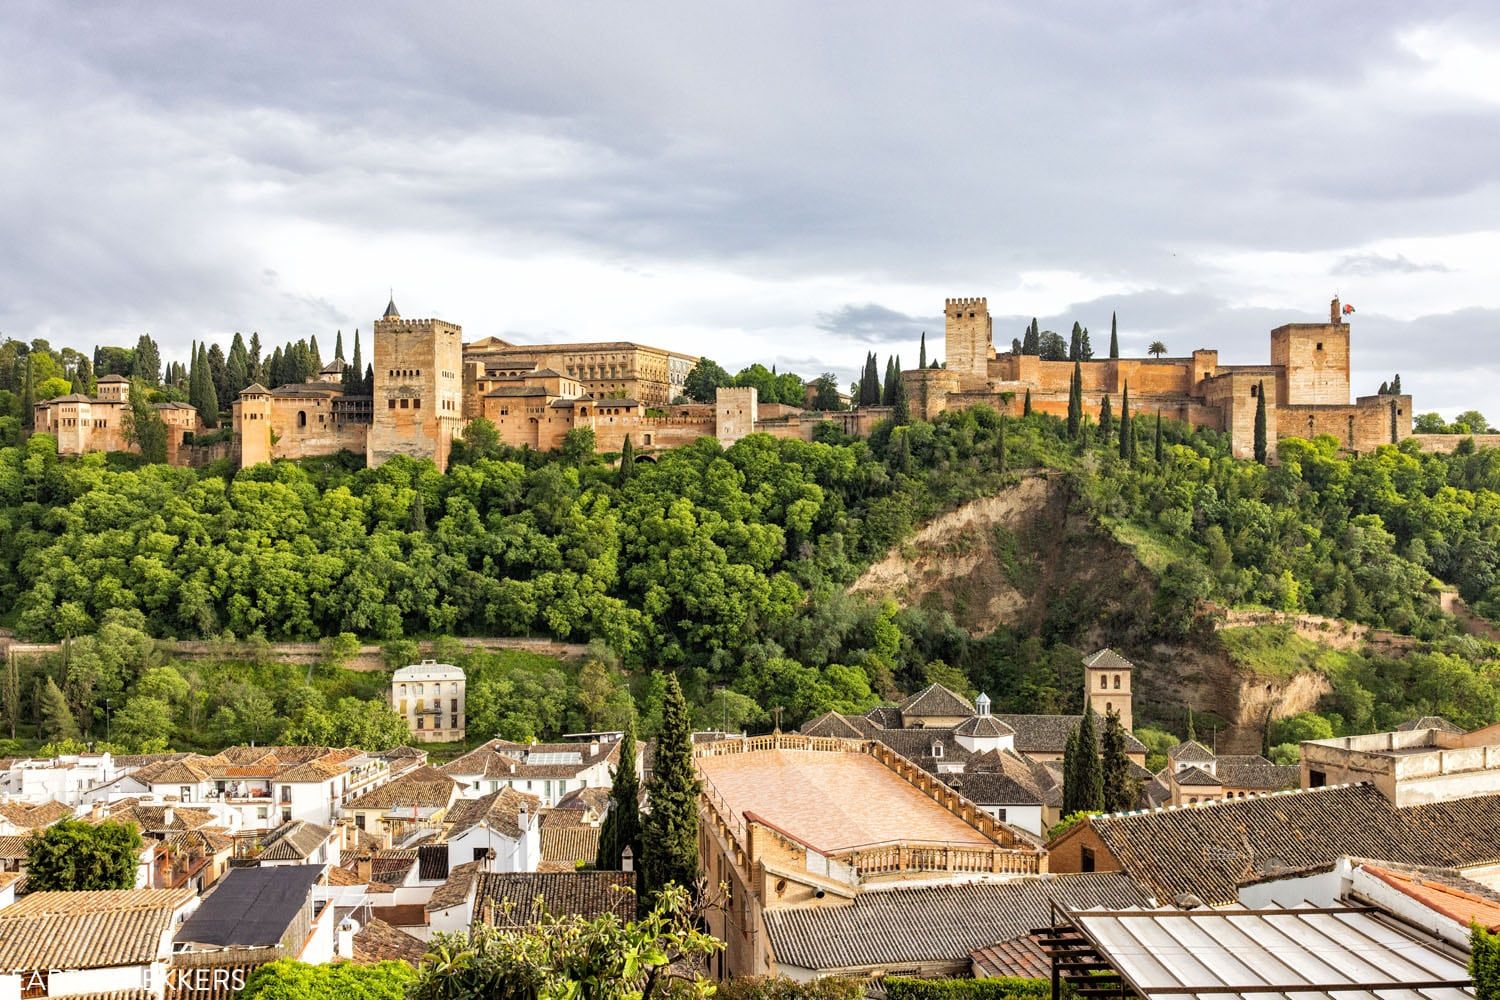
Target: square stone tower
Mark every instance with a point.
(1313, 361)
(1106, 685)
(736, 409)
(418, 396)
(968, 339)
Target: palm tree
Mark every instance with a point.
(1157, 349)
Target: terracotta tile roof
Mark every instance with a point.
(935, 699)
(832, 801)
(595, 799)
(1195, 776)
(393, 866)
(504, 759)
(34, 817)
(87, 930)
(519, 899)
(423, 787)
(344, 876)
(983, 726)
(1108, 659)
(294, 841)
(1464, 907)
(570, 844)
(1190, 750)
(937, 923)
(1049, 733)
(456, 889)
(6, 878)
(153, 819)
(832, 724)
(378, 941)
(997, 778)
(1021, 956)
(184, 771)
(1254, 772)
(500, 810)
(405, 915)
(139, 760)
(1209, 850)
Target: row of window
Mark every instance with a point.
(404, 373)
(415, 401)
(453, 723)
(420, 688)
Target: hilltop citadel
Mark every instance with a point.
(428, 384)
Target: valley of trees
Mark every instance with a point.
(728, 567)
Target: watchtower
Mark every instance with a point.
(1106, 685)
(418, 393)
(252, 425)
(1312, 361)
(968, 338)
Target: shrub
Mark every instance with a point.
(782, 988)
(1004, 988)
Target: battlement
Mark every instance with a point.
(415, 323)
(979, 303)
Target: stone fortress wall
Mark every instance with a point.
(1306, 384)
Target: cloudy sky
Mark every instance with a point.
(784, 182)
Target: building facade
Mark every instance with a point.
(1306, 384)
(83, 424)
(610, 370)
(430, 697)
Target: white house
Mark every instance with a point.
(501, 829)
(430, 696)
(547, 770)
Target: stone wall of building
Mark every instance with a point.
(1446, 444)
(618, 369)
(735, 413)
(968, 342)
(1313, 359)
(418, 394)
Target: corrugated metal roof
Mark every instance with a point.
(1269, 954)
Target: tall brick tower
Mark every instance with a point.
(1313, 359)
(968, 342)
(418, 388)
(251, 420)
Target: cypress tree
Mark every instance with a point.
(255, 368)
(1260, 422)
(237, 367)
(57, 720)
(898, 397)
(352, 384)
(1026, 404)
(218, 373)
(1070, 775)
(1114, 337)
(208, 407)
(1000, 445)
(1106, 420)
(1192, 734)
(1089, 774)
(669, 835)
(627, 463)
(1156, 450)
(888, 391)
(194, 388)
(274, 370)
(1385, 388)
(28, 396)
(922, 354)
(1033, 342)
(1085, 349)
(1075, 401)
(314, 359)
(1119, 793)
(368, 389)
(147, 364)
(417, 516)
(1396, 384)
(1127, 432)
(338, 345)
(1075, 343)
(622, 823)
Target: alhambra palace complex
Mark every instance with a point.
(429, 384)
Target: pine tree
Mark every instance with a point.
(338, 345)
(622, 824)
(57, 720)
(1127, 432)
(669, 837)
(1026, 403)
(1119, 792)
(1114, 337)
(1089, 773)
(1106, 420)
(28, 396)
(922, 354)
(1260, 422)
(1075, 401)
(1156, 449)
(627, 463)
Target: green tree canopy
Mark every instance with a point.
(72, 856)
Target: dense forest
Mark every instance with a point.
(730, 566)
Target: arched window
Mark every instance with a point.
(1117, 682)
(1109, 706)
(1103, 682)
(301, 418)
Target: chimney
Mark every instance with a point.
(627, 859)
(365, 867)
(1335, 312)
(593, 747)
(166, 817)
(96, 811)
(347, 930)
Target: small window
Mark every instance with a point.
(416, 404)
(1086, 859)
(390, 404)
(1000, 814)
(1254, 391)
(359, 820)
(1103, 683)
(1316, 779)
(301, 418)
(1117, 682)
(1320, 345)
(937, 749)
(404, 403)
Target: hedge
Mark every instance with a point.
(1004, 988)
